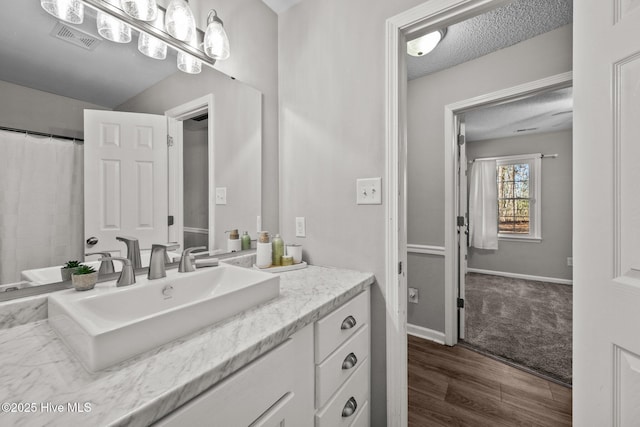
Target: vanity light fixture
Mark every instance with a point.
(188, 63)
(113, 29)
(425, 44)
(216, 42)
(71, 11)
(179, 20)
(152, 46)
(144, 10)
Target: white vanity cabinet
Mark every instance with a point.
(274, 390)
(320, 375)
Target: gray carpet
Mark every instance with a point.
(524, 321)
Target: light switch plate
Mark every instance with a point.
(301, 227)
(221, 195)
(369, 191)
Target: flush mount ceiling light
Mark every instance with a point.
(425, 44)
(179, 20)
(144, 10)
(71, 11)
(216, 42)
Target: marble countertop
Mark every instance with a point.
(38, 371)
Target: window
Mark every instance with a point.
(519, 197)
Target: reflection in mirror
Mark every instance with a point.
(47, 81)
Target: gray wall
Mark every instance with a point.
(332, 67)
(25, 108)
(547, 258)
(196, 178)
(540, 57)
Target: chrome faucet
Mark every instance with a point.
(127, 276)
(133, 250)
(157, 260)
(185, 261)
(106, 266)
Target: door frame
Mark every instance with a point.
(451, 179)
(411, 23)
(175, 117)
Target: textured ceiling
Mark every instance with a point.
(544, 112)
(106, 76)
(492, 31)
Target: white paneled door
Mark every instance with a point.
(606, 213)
(125, 179)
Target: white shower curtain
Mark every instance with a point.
(41, 203)
(483, 205)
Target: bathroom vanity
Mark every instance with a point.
(302, 358)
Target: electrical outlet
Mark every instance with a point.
(413, 295)
(570, 261)
(301, 228)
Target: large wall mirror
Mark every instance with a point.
(64, 91)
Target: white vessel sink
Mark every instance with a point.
(45, 275)
(107, 325)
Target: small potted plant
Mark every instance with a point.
(84, 278)
(67, 269)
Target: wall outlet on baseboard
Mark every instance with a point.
(413, 295)
(570, 261)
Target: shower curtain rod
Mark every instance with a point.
(51, 135)
(542, 156)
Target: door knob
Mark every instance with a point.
(92, 241)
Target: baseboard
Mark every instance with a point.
(521, 276)
(426, 333)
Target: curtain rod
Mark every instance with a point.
(542, 156)
(50, 135)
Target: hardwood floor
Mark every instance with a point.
(454, 386)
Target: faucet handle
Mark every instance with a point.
(127, 276)
(172, 246)
(126, 238)
(185, 262)
(106, 267)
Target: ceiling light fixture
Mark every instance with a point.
(71, 11)
(144, 10)
(179, 20)
(216, 42)
(425, 44)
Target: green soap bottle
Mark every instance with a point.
(277, 245)
(246, 241)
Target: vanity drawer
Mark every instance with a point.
(341, 364)
(335, 328)
(354, 393)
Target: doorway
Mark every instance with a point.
(515, 196)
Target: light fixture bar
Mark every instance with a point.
(147, 27)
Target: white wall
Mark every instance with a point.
(25, 108)
(547, 258)
(331, 65)
(543, 56)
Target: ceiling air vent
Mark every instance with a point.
(74, 36)
(201, 117)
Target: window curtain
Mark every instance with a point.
(41, 203)
(483, 205)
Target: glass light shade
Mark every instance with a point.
(425, 44)
(188, 63)
(216, 42)
(179, 20)
(113, 29)
(151, 46)
(144, 10)
(68, 10)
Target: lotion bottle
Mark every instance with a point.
(278, 250)
(246, 241)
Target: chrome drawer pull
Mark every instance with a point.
(349, 408)
(349, 361)
(348, 323)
